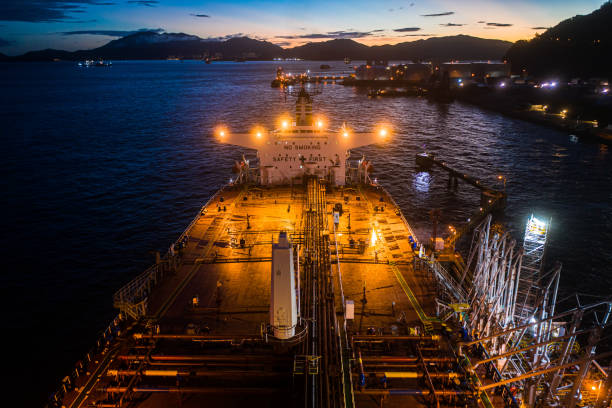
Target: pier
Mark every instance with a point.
(490, 199)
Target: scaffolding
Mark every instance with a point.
(534, 245)
(516, 342)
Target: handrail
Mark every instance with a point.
(124, 297)
(198, 216)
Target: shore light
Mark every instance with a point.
(345, 134)
(383, 132)
(285, 124)
(319, 123)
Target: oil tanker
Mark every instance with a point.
(301, 283)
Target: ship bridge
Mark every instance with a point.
(303, 146)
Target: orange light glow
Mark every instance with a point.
(221, 131)
(284, 122)
(258, 132)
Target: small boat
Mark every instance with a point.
(347, 60)
(85, 63)
(324, 66)
(102, 63)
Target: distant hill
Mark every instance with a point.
(43, 55)
(459, 47)
(3, 57)
(152, 45)
(330, 50)
(579, 46)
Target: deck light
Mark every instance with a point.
(221, 132)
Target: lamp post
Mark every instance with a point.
(503, 179)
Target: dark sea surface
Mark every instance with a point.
(101, 166)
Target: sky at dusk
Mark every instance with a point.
(27, 25)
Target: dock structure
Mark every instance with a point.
(523, 346)
(490, 199)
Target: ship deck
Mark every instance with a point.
(184, 352)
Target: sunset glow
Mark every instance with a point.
(29, 25)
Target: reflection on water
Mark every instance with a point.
(422, 180)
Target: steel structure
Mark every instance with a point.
(516, 342)
(534, 245)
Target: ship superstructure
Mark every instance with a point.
(302, 284)
(303, 146)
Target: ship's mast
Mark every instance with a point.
(303, 109)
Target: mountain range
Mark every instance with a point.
(580, 46)
(153, 45)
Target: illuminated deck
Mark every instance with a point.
(214, 351)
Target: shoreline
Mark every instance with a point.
(507, 107)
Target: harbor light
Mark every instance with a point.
(345, 134)
(319, 123)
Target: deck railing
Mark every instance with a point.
(132, 298)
